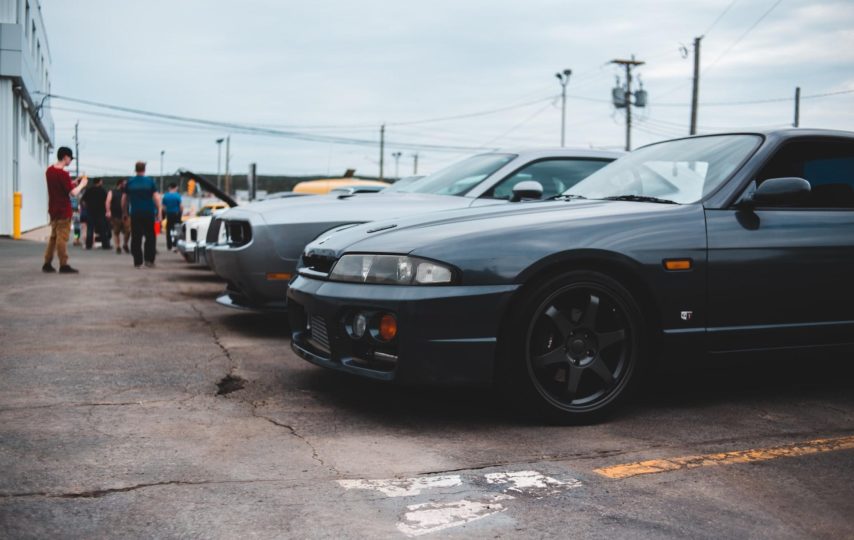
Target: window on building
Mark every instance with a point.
(27, 19)
(23, 122)
(33, 39)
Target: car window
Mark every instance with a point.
(206, 211)
(827, 165)
(458, 178)
(555, 175)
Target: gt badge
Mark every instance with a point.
(686, 315)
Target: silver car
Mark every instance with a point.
(259, 245)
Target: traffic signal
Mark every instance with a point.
(191, 186)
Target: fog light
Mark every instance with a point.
(360, 324)
(388, 327)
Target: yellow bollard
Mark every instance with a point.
(16, 215)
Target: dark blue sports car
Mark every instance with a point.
(697, 246)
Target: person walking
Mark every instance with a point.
(141, 201)
(60, 189)
(95, 199)
(172, 205)
(119, 220)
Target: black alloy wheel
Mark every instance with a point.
(580, 347)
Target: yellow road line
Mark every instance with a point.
(655, 466)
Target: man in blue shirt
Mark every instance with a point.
(172, 205)
(141, 201)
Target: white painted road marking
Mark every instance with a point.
(404, 487)
(426, 518)
(531, 483)
(429, 517)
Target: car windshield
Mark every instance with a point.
(458, 178)
(682, 171)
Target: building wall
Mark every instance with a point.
(26, 130)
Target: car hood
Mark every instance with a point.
(439, 235)
(358, 208)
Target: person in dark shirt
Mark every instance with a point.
(119, 220)
(60, 189)
(95, 199)
(141, 201)
(172, 205)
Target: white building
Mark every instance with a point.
(26, 129)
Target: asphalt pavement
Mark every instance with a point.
(132, 405)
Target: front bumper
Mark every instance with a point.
(446, 335)
(188, 250)
(246, 270)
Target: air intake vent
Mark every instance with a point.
(238, 233)
(318, 333)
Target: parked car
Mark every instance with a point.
(263, 241)
(700, 246)
(192, 237)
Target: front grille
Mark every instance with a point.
(238, 233)
(213, 231)
(317, 332)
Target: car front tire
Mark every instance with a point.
(573, 348)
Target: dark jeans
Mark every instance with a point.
(171, 221)
(142, 226)
(97, 223)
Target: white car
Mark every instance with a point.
(192, 238)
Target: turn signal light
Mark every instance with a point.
(278, 276)
(677, 264)
(388, 327)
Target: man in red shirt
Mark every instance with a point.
(59, 190)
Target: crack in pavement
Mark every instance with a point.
(96, 404)
(97, 493)
(315, 455)
(215, 335)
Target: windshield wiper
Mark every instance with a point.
(639, 198)
(566, 197)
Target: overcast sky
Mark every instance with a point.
(344, 67)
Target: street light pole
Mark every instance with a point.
(161, 170)
(563, 79)
(396, 156)
(219, 163)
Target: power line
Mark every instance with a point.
(719, 17)
(255, 130)
(742, 36)
(756, 101)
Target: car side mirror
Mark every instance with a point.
(776, 191)
(529, 189)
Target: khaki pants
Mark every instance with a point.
(120, 226)
(60, 230)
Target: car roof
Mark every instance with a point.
(534, 153)
(786, 133)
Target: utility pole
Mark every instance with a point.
(161, 170)
(797, 107)
(227, 164)
(396, 156)
(415, 164)
(696, 89)
(219, 163)
(252, 181)
(76, 152)
(382, 150)
(563, 79)
(628, 64)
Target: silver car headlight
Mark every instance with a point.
(390, 270)
(222, 237)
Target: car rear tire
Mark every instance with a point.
(573, 348)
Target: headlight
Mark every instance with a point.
(221, 238)
(390, 269)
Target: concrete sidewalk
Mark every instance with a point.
(133, 406)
